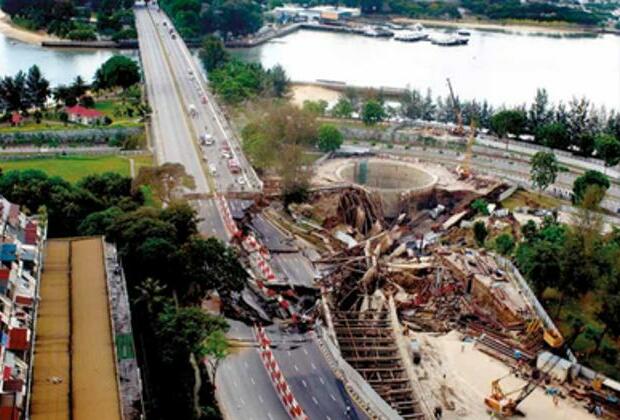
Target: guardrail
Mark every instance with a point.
(276, 376)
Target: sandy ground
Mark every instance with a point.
(506, 27)
(304, 92)
(21, 34)
(94, 384)
(460, 377)
(50, 401)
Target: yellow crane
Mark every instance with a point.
(463, 169)
(459, 131)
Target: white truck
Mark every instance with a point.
(192, 110)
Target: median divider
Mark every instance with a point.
(294, 410)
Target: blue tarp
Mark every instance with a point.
(8, 252)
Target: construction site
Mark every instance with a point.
(380, 260)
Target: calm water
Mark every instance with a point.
(504, 68)
(58, 65)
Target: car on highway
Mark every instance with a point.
(204, 100)
(206, 139)
(192, 110)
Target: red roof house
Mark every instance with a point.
(16, 118)
(82, 115)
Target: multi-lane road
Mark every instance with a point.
(184, 114)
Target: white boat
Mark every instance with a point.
(410, 36)
(448, 40)
(463, 32)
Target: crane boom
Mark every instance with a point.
(457, 110)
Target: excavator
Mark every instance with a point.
(502, 404)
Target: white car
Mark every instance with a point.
(241, 180)
(212, 168)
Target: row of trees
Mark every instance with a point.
(30, 90)
(577, 126)
(234, 80)
(71, 18)
(169, 269)
(196, 18)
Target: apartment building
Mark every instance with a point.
(21, 239)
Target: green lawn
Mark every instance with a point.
(72, 168)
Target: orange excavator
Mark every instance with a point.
(502, 404)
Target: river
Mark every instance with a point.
(502, 67)
(59, 66)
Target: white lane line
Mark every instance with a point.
(260, 398)
(315, 400)
(253, 381)
(305, 352)
(333, 398)
(241, 400)
(304, 383)
(289, 353)
(296, 368)
(313, 366)
(269, 416)
(321, 380)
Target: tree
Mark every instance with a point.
(480, 232)
(540, 112)
(329, 138)
(37, 87)
(317, 108)
(181, 334)
(277, 81)
(607, 148)
(540, 263)
(98, 223)
(504, 244)
(183, 217)
(165, 180)
(579, 125)
(552, 135)
(511, 121)
(212, 53)
(78, 87)
(207, 264)
(372, 112)
(117, 71)
(480, 205)
(543, 169)
(343, 108)
(586, 180)
(12, 92)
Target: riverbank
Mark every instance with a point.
(531, 27)
(8, 28)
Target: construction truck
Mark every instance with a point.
(500, 403)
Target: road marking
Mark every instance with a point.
(269, 416)
(289, 353)
(246, 364)
(305, 352)
(304, 383)
(321, 380)
(315, 400)
(242, 402)
(313, 366)
(296, 368)
(253, 381)
(333, 398)
(260, 398)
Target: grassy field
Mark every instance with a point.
(72, 168)
(523, 198)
